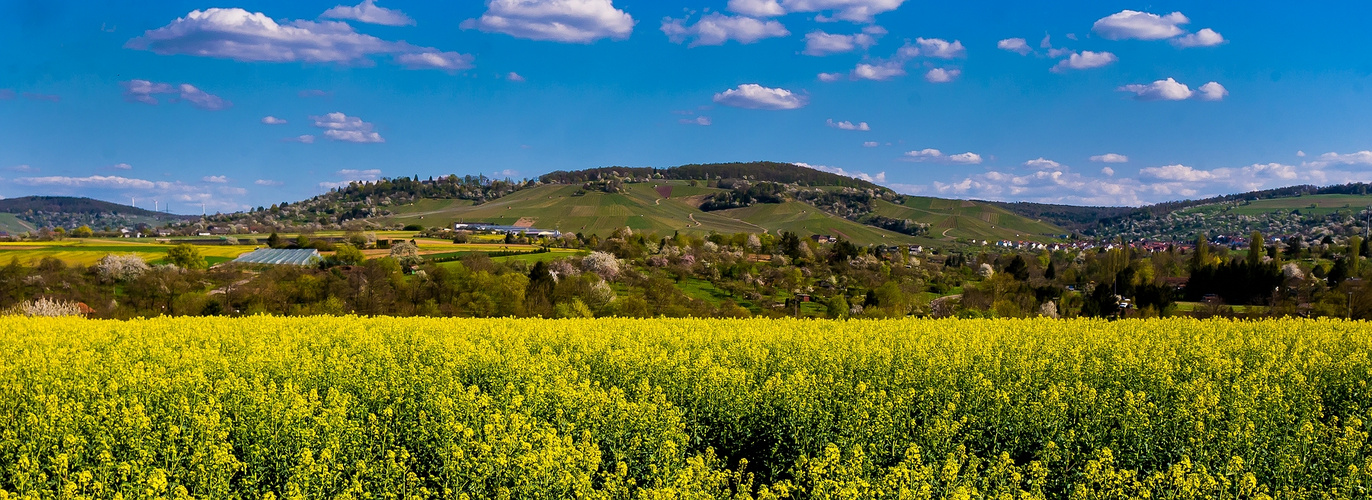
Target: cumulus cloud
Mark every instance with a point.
(934, 155)
(940, 48)
(819, 43)
(942, 75)
(569, 21)
(1110, 158)
(1161, 90)
(878, 178)
(101, 182)
(1130, 24)
(879, 72)
(716, 29)
(349, 176)
(870, 144)
(1172, 90)
(1042, 163)
(253, 36)
(266, 182)
(144, 91)
(1212, 91)
(121, 166)
(340, 127)
(514, 77)
(830, 77)
(368, 12)
(754, 96)
(303, 139)
(858, 11)
(1017, 45)
(1203, 38)
(703, 121)
(217, 179)
(447, 61)
(1359, 158)
(272, 120)
(1084, 60)
(847, 125)
(1109, 172)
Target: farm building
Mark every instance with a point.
(281, 257)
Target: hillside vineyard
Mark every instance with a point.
(348, 407)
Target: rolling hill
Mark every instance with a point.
(642, 207)
(28, 213)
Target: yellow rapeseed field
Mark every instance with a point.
(349, 407)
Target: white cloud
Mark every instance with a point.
(101, 182)
(870, 144)
(303, 139)
(754, 96)
(1085, 60)
(924, 154)
(879, 72)
(514, 77)
(1203, 38)
(1331, 158)
(942, 75)
(341, 127)
(819, 43)
(122, 166)
(847, 125)
(830, 77)
(716, 29)
(253, 36)
(569, 21)
(858, 11)
(1161, 90)
(1110, 158)
(266, 182)
(144, 91)
(940, 48)
(1212, 91)
(368, 12)
(699, 120)
(757, 8)
(1109, 172)
(217, 179)
(1017, 45)
(1042, 163)
(934, 155)
(1128, 24)
(968, 158)
(1172, 90)
(1300, 154)
(272, 120)
(877, 178)
(1177, 173)
(23, 168)
(370, 174)
(447, 61)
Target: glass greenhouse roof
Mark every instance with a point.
(280, 256)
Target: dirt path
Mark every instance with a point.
(945, 232)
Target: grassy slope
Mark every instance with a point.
(641, 208)
(1324, 204)
(11, 224)
(967, 219)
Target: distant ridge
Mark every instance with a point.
(77, 205)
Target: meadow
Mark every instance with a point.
(350, 407)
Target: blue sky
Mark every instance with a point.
(242, 104)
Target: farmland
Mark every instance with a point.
(616, 408)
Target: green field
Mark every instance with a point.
(1324, 204)
(89, 251)
(641, 208)
(11, 224)
(417, 408)
(953, 219)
